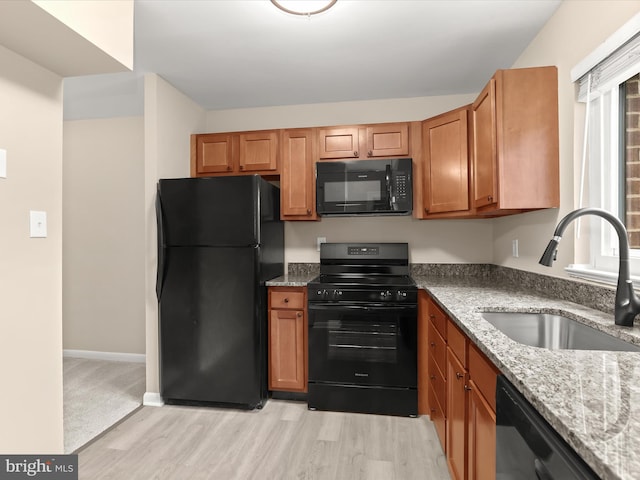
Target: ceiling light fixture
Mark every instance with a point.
(304, 7)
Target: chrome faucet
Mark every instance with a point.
(627, 304)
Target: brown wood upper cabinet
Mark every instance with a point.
(445, 164)
(364, 141)
(212, 153)
(297, 178)
(258, 151)
(514, 133)
(235, 153)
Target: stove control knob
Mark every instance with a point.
(323, 294)
(401, 295)
(336, 295)
(385, 294)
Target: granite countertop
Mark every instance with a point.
(591, 398)
(292, 280)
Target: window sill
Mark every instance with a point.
(586, 272)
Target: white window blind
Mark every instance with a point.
(611, 63)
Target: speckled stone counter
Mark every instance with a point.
(298, 275)
(591, 398)
(291, 280)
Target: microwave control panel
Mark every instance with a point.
(401, 186)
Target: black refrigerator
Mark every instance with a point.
(219, 240)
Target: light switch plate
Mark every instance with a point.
(37, 224)
(3, 163)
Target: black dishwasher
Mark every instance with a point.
(527, 447)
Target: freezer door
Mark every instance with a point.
(213, 327)
(210, 211)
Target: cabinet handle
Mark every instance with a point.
(426, 210)
(459, 375)
(369, 153)
(431, 315)
(241, 167)
(308, 211)
(432, 410)
(432, 377)
(299, 314)
(433, 344)
(355, 154)
(467, 388)
(490, 198)
(228, 167)
(286, 300)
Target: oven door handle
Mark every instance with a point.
(367, 308)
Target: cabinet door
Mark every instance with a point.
(446, 163)
(286, 351)
(388, 140)
(258, 151)
(338, 142)
(482, 436)
(214, 153)
(456, 436)
(485, 179)
(437, 415)
(297, 179)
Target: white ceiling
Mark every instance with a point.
(246, 53)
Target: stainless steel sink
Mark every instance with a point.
(554, 332)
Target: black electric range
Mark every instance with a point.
(363, 330)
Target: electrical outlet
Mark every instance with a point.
(320, 241)
(514, 248)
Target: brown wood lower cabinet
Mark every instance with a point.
(462, 398)
(287, 339)
(481, 442)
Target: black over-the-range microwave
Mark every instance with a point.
(364, 187)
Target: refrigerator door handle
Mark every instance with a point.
(161, 248)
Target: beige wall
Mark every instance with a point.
(31, 269)
(96, 31)
(170, 117)
(430, 241)
(103, 235)
(339, 113)
(575, 30)
(108, 25)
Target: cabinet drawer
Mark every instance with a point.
(438, 318)
(437, 348)
(484, 375)
(436, 382)
(457, 341)
(287, 299)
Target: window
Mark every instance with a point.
(611, 166)
(630, 159)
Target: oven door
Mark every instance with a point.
(373, 345)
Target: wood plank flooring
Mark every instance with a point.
(284, 440)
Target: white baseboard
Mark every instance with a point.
(113, 356)
(152, 399)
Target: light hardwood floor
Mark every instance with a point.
(282, 441)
